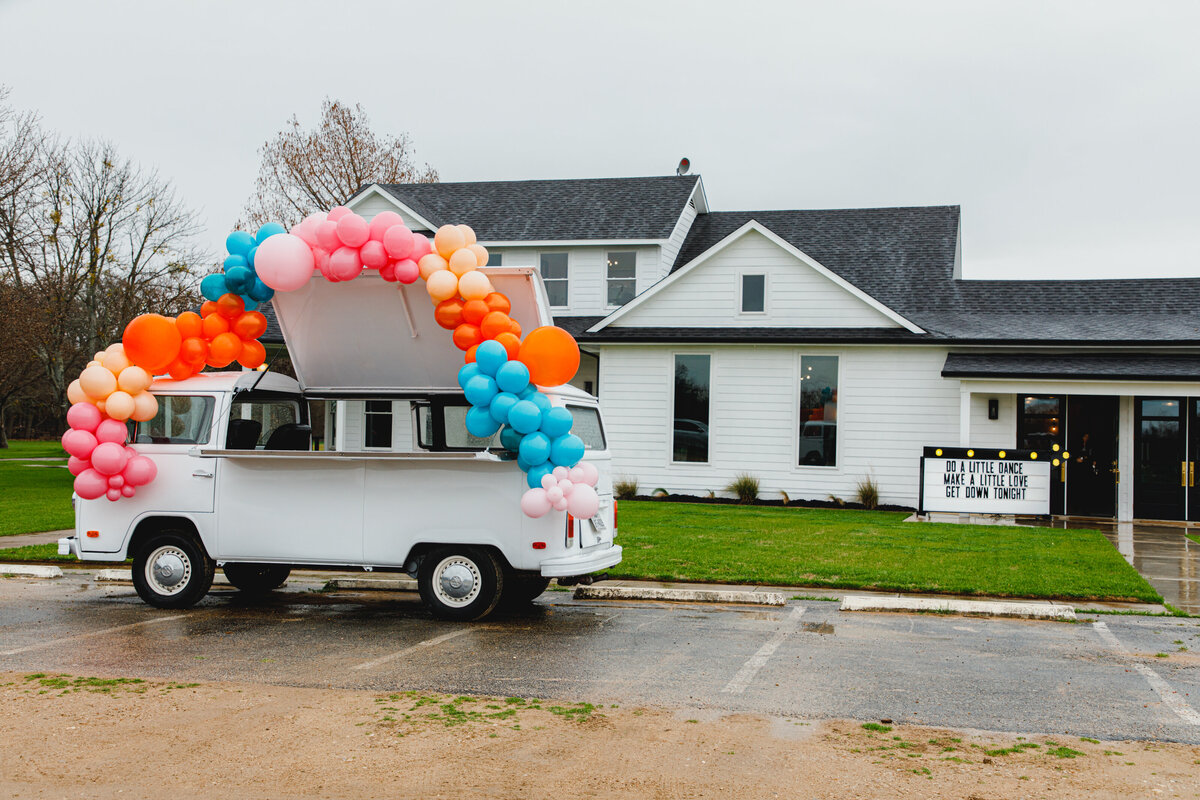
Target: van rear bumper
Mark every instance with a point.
(68, 546)
(581, 564)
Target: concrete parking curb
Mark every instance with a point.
(990, 608)
(30, 571)
(748, 597)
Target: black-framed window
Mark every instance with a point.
(689, 440)
(818, 411)
(1041, 422)
(495, 259)
(622, 277)
(181, 419)
(585, 423)
(442, 426)
(554, 276)
(377, 430)
(754, 294)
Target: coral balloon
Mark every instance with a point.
(78, 443)
(498, 302)
(90, 484)
(145, 407)
(139, 471)
(111, 430)
(77, 465)
(98, 382)
(284, 262)
(84, 417)
(462, 262)
(406, 270)
(345, 264)
(253, 355)
(215, 325)
(481, 254)
(135, 379)
(442, 285)
(250, 325)
(431, 263)
(465, 336)
(449, 313)
(230, 306)
(76, 394)
(152, 342)
(109, 458)
(119, 405)
(551, 354)
(128, 491)
(398, 241)
(337, 212)
(114, 359)
(384, 221)
(327, 238)
(448, 239)
(189, 324)
(225, 348)
(474, 286)
(373, 255)
(494, 324)
(474, 311)
(353, 230)
(421, 247)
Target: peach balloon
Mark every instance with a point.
(114, 359)
(431, 263)
(448, 239)
(463, 261)
(442, 285)
(98, 382)
(145, 407)
(481, 254)
(119, 405)
(474, 286)
(134, 380)
(468, 233)
(76, 394)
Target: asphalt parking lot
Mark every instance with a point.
(1100, 677)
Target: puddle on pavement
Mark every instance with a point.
(824, 628)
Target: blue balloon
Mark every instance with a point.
(213, 286)
(524, 466)
(239, 243)
(528, 392)
(268, 230)
(490, 356)
(535, 448)
(480, 423)
(250, 256)
(534, 478)
(525, 417)
(501, 404)
(513, 376)
(467, 372)
(542, 402)
(566, 451)
(250, 303)
(233, 261)
(556, 422)
(260, 291)
(510, 437)
(479, 391)
(240, 280)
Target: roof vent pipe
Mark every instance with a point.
(684, 166)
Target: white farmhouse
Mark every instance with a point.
(814, 349)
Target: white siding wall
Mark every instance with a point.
(587, 273)
(671, 248)
(892, 401)
(351, 416)
(372, 204)
(993, 434)
(797, 295)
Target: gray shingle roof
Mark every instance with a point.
(550, 210)
(1117, 366)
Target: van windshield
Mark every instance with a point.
(181, 419)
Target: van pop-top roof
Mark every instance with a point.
(363, 337)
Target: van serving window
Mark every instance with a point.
(181, 419)
(442, 425)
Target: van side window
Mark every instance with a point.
(587, 426)
(181, 419)
(443, 426)
(256, 421)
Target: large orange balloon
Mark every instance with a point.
(152, 342)
(551, 354)
(250, 325)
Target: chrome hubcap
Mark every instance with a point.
(168, 570)
(456, 581)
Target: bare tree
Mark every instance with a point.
(24, 151)
(303, 171)
(20, 330)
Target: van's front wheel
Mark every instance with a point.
(171, 570)
(460, 583)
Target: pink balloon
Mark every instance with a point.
(373, 255)
(548, 481)
(111, 430)
(353, 230)
(77, 465)
(113, 494)
(421, 247)
(109, 458)
(139, 471)
(90, 484)
(79, 443)
(337, 212)
(398, 240)
(575, 475)
(284, 262)
(327, 237)
(566, 486)
(128, 491)
(555, 494)
(115, 481)
(388, 271)
(345, 264)
(534, 503)
(130, 450)
(560, 473)
(561, 504)
(84, 417)
(307, 230)
(590, 474)
(406, 271)
(583, 502)
(382, 221)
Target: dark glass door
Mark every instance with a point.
(1160, 466)
(1193, 455)
(1040, 428)
(1091, 459)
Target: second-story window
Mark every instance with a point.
(754, 294)
(554, 275)
(495, 259)
(622, 277)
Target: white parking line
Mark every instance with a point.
(756, 662)
(90, 634)
(427, 643)
(1169, 696)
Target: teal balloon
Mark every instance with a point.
(268, 230)
(524, 466)
(542, 402)
(513, 376)
(525, 417)
(233, 261)
(240, 280)
(260, 291)
(480, 423)
(479, 391)
(535, 474)
(565, 451)
(501, 404)
(213, 286)
(465, 374)
(490, 356)
(239, 243)
(250, 256)
(250, 303)
(535, 448)
(528, 392)
(510, 437)
(556, 422)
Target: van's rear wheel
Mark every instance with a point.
(171, 570)
(256, 579)
(460, 583)
(521, 590)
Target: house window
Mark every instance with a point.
(818, 410)
(495, 259)
(690, 437)
(754, 294)
(622, 277)
(554, 275)
(378, 425)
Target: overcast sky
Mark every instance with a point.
(1066, 131)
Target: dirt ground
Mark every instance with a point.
(73, 736)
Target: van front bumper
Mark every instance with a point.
(582, 563)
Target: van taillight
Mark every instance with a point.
(614, 517)
(570, 531)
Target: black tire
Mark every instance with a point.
(184, 575)
(521, 590)
(460, 582)
(256, 579)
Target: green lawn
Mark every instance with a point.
(34, 498)
(867, 550)
(25, 449)
(33, 552)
